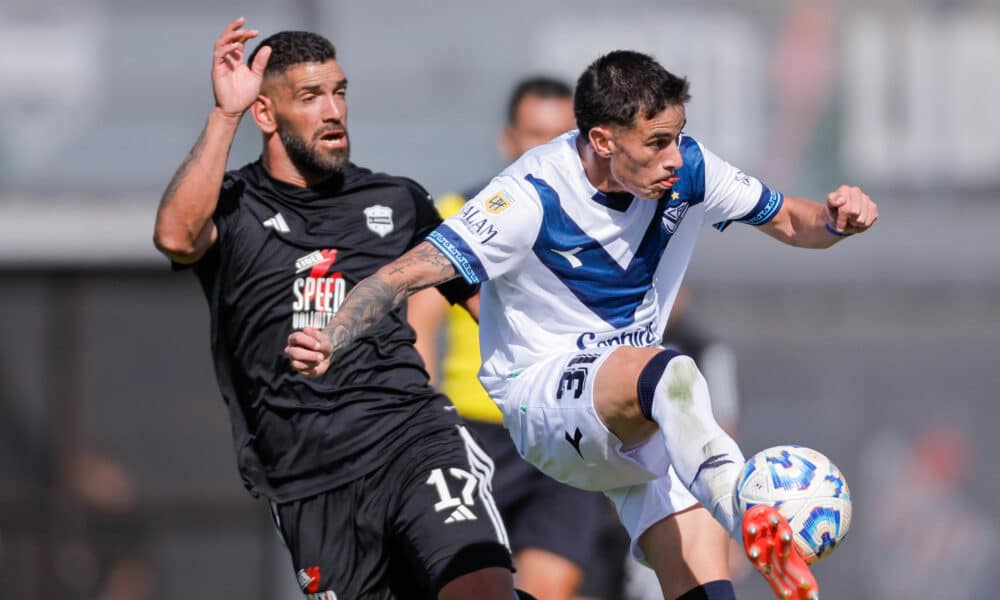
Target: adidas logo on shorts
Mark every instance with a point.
(461, 513)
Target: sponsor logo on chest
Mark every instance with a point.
(638, 336)
(318, 293)
(309, 582)
(277, 223)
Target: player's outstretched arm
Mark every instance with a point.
(310, 350)
(184, 227)
(808, 224)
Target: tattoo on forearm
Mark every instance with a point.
(430, 255)
(185, 167)
(376, 296)
(367, 303)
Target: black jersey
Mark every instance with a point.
(284, 259)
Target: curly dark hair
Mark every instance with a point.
(290, 48)
(616, 86)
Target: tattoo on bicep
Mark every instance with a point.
(184, 168)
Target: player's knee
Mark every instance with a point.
(676, 376)
(615, 396)
(713, 590)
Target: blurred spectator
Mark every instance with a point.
(920, 522)
(103, 554)
(803, 70)
(91, 542)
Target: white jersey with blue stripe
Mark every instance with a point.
(565, 267)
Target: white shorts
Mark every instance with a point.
(549, 412)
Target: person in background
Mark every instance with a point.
(553, 528)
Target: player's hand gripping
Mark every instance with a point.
(235, 85)
(309, 352)
(849, 210)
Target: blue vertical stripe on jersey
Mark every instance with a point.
(586, 268)
(459, 253)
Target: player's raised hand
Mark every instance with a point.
(849, 210)
(236, 85)
(309, 352)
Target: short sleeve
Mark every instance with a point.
(493, 231)
(426, 215)
(426, 219)
(732, 195)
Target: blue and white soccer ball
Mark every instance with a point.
(806, 488)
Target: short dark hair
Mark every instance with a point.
(290, 48)
(540, 86)
(616, 86)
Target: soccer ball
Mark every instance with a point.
(806, 488)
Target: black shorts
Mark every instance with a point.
(539, 511)
(403, 531)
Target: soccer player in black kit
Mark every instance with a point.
(376, 490)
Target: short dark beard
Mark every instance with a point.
(313, 164)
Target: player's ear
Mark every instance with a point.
(601, 141)
(262, 110)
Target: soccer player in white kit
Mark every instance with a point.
(580, 247)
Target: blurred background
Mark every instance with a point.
(117, 478)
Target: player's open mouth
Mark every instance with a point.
(669, 182)
(333, 139)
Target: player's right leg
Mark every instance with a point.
(670, 391)
(638, 390)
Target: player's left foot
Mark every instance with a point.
(767, 540)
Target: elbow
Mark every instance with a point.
(177, 248)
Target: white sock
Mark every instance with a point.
(705, 457)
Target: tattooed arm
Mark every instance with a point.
(310, 350)
(184, 227)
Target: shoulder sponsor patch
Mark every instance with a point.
(497, 203)
(478, 223)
